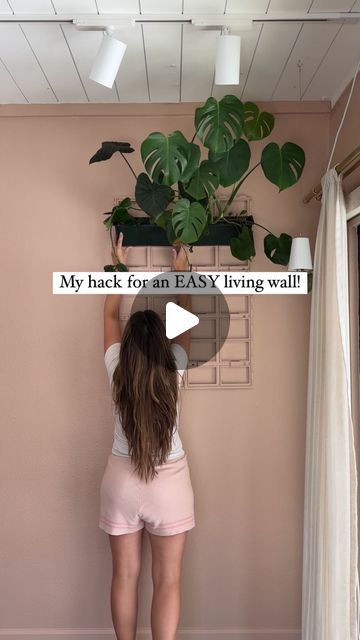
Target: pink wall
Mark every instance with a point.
(243, 561)
(349, 137)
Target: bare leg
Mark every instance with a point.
(126, 555)
(167, 554)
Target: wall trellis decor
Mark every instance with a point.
(231, 367)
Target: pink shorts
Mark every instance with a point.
(164, 505)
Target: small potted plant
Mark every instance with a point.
(178, 194)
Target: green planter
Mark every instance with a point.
(144, 233)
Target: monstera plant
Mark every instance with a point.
(181, 191)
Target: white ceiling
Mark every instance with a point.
(50, 63)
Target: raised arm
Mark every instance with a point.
(112, 329)
(180, 262)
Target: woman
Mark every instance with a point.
(146, 483)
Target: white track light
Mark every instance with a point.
(108, 59)
(227, 65)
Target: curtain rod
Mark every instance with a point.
(346, 166)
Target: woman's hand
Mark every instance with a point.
(120, 253)
(180, 260)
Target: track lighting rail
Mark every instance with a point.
(216, 21)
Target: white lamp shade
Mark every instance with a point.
(107, 61)
(300, 255)
(227, 65)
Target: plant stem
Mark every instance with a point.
(129, 165)
(260, 225)
(112, 242)
(217, 202)
(240, 225)
(236, 189)
(189, 263)
(193, 138)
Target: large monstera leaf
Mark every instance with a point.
(220, 124)
(188, 220)
(232, 164)
(278, 249)
(108, 149)
(283, 167)
(204, 181)
(257, 124)
(153, 198)
(168, 158)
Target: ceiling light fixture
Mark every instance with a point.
(227, 65)
(108, 59)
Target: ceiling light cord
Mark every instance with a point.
(344, 114)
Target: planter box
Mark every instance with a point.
(144, 234)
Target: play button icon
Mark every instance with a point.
(178, 320)
(209, 319)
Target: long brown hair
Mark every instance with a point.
(145, 391)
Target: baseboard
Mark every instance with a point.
(145, 634)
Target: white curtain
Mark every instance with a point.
(330, 589)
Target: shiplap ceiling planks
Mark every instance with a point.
(331, 5)
(266, 69)
(289, 5)
(339, 63)
(197, 79)
(50, 62)
(163, 56)
(295, 77)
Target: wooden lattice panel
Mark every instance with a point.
(231, 366)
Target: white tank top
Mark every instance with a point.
(120, 444)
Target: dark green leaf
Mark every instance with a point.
(188, 220)
(220, 124)
(170, 233)
(124, 204)
(115, 267)
(153, 198)
(120, 214)
(284, 166)
(184, 194)
(163, 219)
(258, 124)
(232, 164)
(278, 249)
(204, 181)
(192, 162)
(242, 246)
(108, 149)
(166, 158)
